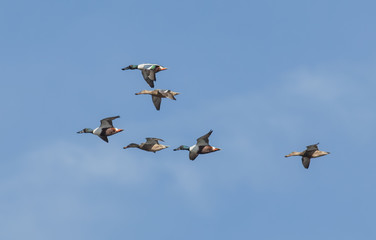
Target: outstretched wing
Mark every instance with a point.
(192, 155)
(149, 76)
(311, 149)
(204, 140)
(306, 161)
(167, 94)
(157, 102)
(153, 140)
(104, 138)
(107, 122)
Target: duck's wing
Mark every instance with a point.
(306, 161)
(104, 138)
(167, 94)
(149, 76)
(312, 147)
(204, 140)
(153, 141)
(310, 150)
(107, 122)
(192, 155)
(157, 102)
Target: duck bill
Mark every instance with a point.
(162, 68)
(82, 131)
(125, 68)
(216, 149)
(125, 147)
(119, 130)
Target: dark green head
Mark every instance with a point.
(182, 147)
(86, 130)
(130, 67)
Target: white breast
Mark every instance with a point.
(145, 66)
(194, 149)
(97, 131)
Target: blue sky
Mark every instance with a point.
(268, 77)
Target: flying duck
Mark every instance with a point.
(151, 145)
(104, 130)
(148, 71)
(312, 151)
(201, 147)
(158, 94)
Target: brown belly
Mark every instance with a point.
(109, 131)
(205, 149)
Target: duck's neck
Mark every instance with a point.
(133, 145)
(86, 130)
(295, 154)
(144, 92)
(185, 148)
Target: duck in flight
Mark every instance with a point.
(151, 145)
(312, 151)
(158, 94)
(201, 147)
(148, 71)
(104, 130)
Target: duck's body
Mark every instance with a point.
(104, 130)
(151, 145)
(201, 147)
(158, 94)
(148, 71)
(312, 151)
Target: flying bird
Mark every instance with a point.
(151, 145)
(201, 147)
(148, 71)
(158, 94)
(104, 130)
(312, 151)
